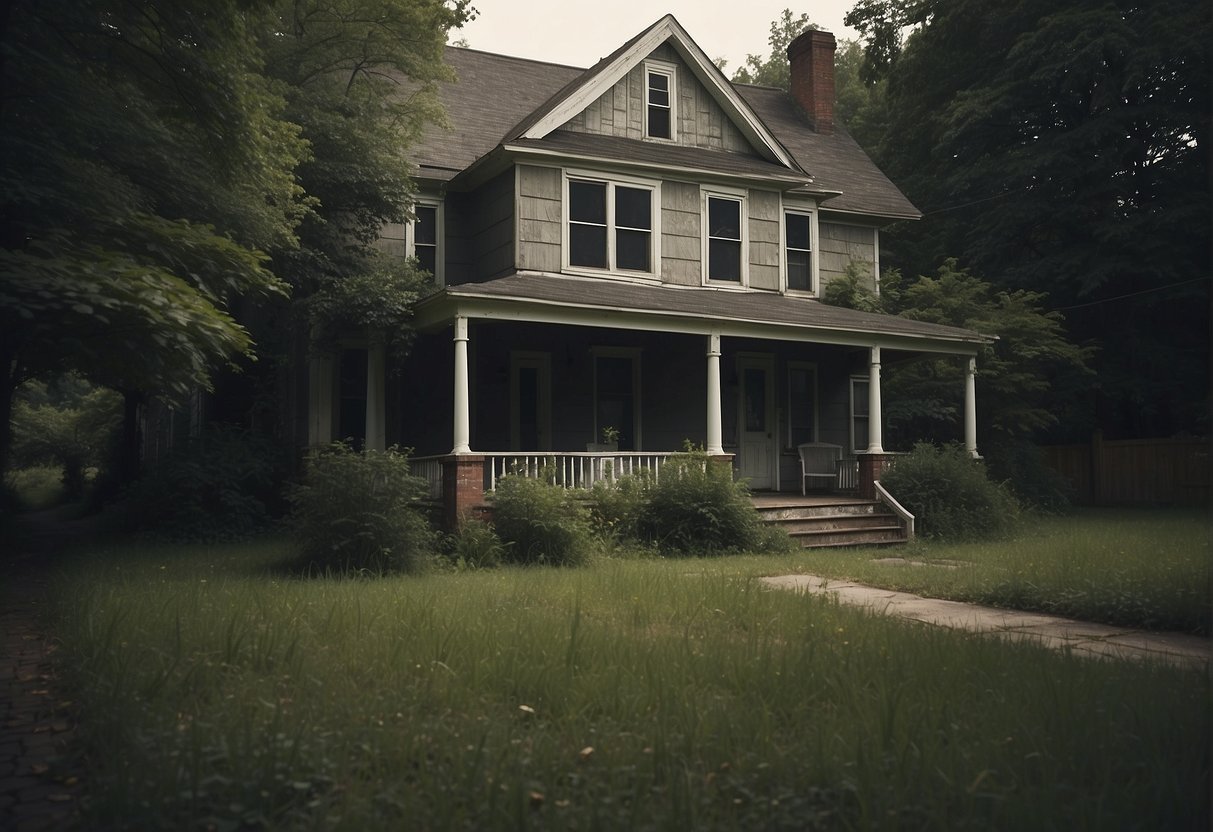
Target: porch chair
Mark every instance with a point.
(819, 461)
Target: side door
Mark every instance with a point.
(756, 420)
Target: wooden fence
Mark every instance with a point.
(1135, 471)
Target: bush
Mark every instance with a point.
(540, 522)
(220, 486)
(616, 507)
(697, 508)
(357, 511)
(950, 495)
(474, 545)
(1021, 466)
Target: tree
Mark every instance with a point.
(1063, 149)
(772, 71)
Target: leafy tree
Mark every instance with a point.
(1064, 149)
(772, 71)
(68, 423)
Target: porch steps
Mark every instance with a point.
(841, 522)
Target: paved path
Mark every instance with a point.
(1051, 631)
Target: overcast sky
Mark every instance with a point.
(579, 32)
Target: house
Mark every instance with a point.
(639, 246)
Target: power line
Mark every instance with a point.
(1132, 294)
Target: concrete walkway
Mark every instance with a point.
(1085, 639)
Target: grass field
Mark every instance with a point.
(644, 694)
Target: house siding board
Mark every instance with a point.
(841, 244)
(540, 216)
(681, 246)
(490, 229)
(764, 239)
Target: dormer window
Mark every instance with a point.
(661, 92)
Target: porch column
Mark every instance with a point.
(376, 439)
(971, 407)
(875, 420)
(462, 427)
(715, 434)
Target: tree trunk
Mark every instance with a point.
(129, 452)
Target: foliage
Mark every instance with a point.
(1020, 465)
(950, 495)
(475, 545)
(617, 507)
(541, 523)
(356, 511)
(853, 290)
(68, 423)
(772, 71)
(221, 485)
(697, 508)
(1065, 149)
(32, 488)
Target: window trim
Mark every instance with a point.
(784, 286)
(670, 71)
(811, 367)
(611, 181)
(737, 195)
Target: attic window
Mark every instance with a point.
(660, 94)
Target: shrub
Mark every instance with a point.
(1021, 465)
(357, 511)
(697, 508)
(950, 495)
(540, 522)
(616, 507)
(220, 486)
(474, 545)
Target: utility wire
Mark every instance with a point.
(1132, 294)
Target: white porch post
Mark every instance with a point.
(462, 427)
(875, 420)
(376, 439)
(715, 434)
(971, 407)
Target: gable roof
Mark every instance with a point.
(497, 99)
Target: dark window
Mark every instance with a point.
(588, 224)
(425, 237)
(660, 110)
(724, 239)
(798, 249)
(633, 228)
(528, 408)
(859, 414)
(351, 381)
(616, 400)
(802, 405)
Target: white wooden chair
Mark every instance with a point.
(819, 461)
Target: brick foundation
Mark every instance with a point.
(462, 487)
(871, 466)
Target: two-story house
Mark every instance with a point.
(638, 249)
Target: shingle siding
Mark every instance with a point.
(841, 244)
(539, 213)
(681, 240)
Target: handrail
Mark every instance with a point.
(889, 500)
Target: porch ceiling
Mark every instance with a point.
(563, 299)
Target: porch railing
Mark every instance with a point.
(574, 469)
(429, 468)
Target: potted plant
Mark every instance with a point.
(609, 443)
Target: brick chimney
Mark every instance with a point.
(811, 58)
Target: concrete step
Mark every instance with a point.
(794, 511)
(876, 535)
(836, 522)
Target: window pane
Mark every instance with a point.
(587, 202)
(587, 246)
(798, 270)
(724, 218)
(859, 396)
(427, 256)
(755, 400)
(633, 208)
(659, 122)
(724, 260)
(797, 226)
(658, 82)
(425, 227)
(632, 250)
(616, 398)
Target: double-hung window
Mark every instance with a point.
(725, 244)
(798, 250)
(425, 237)
(610, 225)
(660, 95)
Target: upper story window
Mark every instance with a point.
(661, 92)
(425, 237)
(798, 250)
(725, 239)
(610, 225)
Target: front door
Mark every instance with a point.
(757, 420)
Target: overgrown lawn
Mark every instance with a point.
(643, 694)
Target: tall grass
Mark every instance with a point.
(630, 695)
(1142, 568)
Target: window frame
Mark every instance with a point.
(811, 368)
(854, 417)
(784, 282)
(439, 236)
(741, 197)
(670, 71)
(612, 181)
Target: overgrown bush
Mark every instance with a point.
(223, 485)
(696, 507)
(541, 523)
(950, 495)
(474, 545)
(358, 511)
(1021, 466)
(616, 507)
